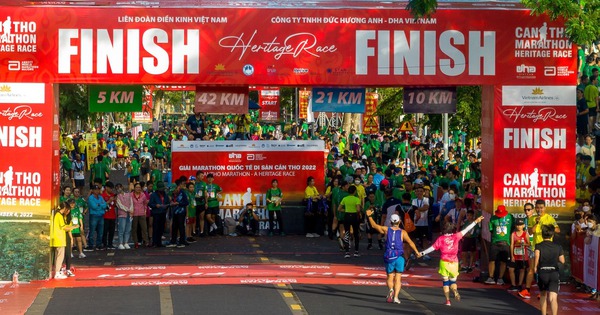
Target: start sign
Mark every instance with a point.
(115, 98)
(222, 100)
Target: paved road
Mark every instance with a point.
(266, 275)
(259, 275)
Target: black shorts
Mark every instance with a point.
(519, 264)
(200, 208)
(212, 210)
(548, 281)
(499, 252)
(469, 244)
(134, 179)
(79, 182)
(144, 171)
(592, 112)
(76, 234)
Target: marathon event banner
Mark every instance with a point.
(268, 100)
(289, 46)
(28, 140)
(245, 169)
(532, 123)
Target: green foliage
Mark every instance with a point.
(422, 8)
(582, 18)
(389, 107)
(25, 249)
(468, 110)
(73, 105)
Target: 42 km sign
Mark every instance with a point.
(115, 98)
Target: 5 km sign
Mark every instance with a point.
(338, 100)
(115, 98)
(222, 100)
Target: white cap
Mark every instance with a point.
(418, 181)
(395, 218)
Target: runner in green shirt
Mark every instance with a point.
(375, 205)
(274, 198)
(351, 206)
(500, 227)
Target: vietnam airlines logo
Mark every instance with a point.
(5, 88)
(537, 91)
(220, 67)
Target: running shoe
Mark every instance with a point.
(309, 235)
(390, 296)
(500, 282)
(370, 246)
(88, 249)
(347, 255)
(60, 276)
(121, 246)
(397, 301)
(490, 281)
(380, 245)
(514, 288)
(171, 245)
(356, 254)
(82, 255)
(126, 246)
(70, 273)
(525, 294)
(180, 245)
(456, 294)
(448, 303)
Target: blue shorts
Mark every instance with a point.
(395, 266)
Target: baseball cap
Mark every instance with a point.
(418, 181)
(192, 177)
(395, 218)
(519, 221)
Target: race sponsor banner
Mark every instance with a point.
(142, 117)
(577, 256)
(429, 100)
(115, 98)
(268, 99)
(222, 100)
(590, 263)
(370, 121)
(532, 123)
(338, 100)
(270, 46)
(303, 104)
(174, 87)
(245, 169)
(28, 140)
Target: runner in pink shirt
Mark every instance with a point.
(448, 245)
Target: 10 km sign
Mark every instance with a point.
(222, 100)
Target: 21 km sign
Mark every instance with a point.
(115, 98)
(338, 100)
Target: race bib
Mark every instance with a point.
(211, 194)
(518, 251)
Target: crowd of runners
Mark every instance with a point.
(376, 184)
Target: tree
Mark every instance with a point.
(73, 105)
(467, 116)
(582, 17)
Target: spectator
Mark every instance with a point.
(248, 221)
(97, 207)
(159, 204)
(125, 216)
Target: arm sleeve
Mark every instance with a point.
(427, 251)
(468, 228)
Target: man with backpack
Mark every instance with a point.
(394, 251)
